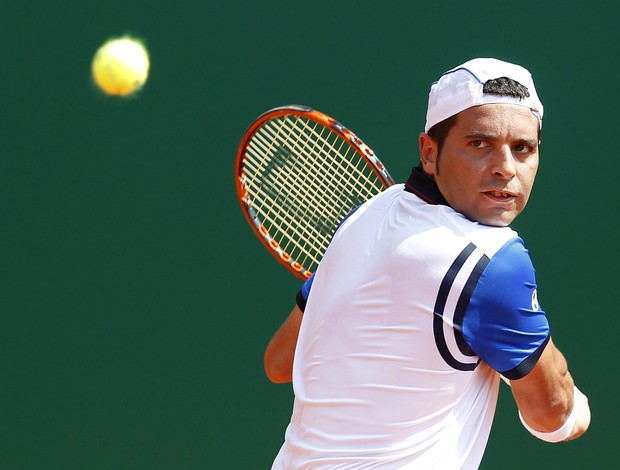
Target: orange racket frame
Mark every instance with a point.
(267, 237)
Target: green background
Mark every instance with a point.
(135, 300)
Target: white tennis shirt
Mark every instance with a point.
(411, 312)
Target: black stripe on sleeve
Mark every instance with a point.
(440, 304)
(463, 303)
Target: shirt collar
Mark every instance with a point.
(423, 186)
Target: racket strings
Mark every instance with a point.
(347, 182)
(328, 207)
(303, 179)
(283, 205)
(315, 202)
(322, 208)
(279, 204)
(345, 187)
(355, 171)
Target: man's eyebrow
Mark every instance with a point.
(481, 135)
(528, 142)
(491, 136)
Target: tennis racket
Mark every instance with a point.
(298, 173)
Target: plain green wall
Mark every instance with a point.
(136, 302)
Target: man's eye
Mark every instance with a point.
(477, 143)
(522, 148)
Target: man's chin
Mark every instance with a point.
(501, 219)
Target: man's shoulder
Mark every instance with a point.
(492, 239)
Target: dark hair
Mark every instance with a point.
(439, 131)
(505, 86)
(502, 86)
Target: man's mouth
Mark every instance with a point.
(501, 194)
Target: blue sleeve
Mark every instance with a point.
(304, 292)
(504, 323)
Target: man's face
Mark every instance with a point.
(488, 162)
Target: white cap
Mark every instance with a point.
(461, 88)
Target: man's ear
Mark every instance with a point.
(428, 154)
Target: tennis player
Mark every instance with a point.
(425, 297)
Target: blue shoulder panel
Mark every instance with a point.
(504, 324)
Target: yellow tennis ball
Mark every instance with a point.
(121, 66)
